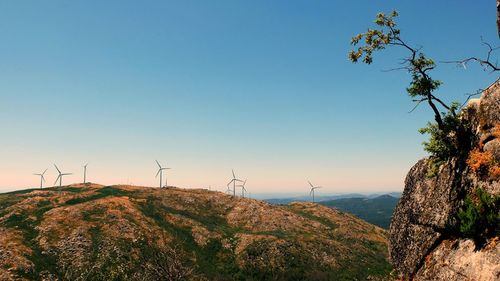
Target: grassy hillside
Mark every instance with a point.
(94, 232)
(376, 210)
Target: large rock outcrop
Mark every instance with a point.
(421, 232)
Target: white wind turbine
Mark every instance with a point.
(60, 176)
(160, 172)
(243, 189)
(312, 189)
(42, 178)
(233, 181)
(85, 173)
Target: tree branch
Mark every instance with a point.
(486, 63)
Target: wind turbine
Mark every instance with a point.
(42, 178)
(233, 181)
(312, 189)
(243, 189)
(60, 176)
(85, 173)
(160, 172)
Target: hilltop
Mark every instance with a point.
(94, 232)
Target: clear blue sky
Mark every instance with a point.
(263, 87)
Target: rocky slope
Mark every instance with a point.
(424, 241)
(93, 232)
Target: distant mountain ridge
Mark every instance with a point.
(377, 210)
(321, 198)
(94, 232)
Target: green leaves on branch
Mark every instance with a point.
(416, 63)
(375, 39)
(447, 133)
(450, 140)
(442, 142)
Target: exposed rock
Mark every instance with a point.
(489, 107)
(421, 216)
(458, 260)
(418, 244)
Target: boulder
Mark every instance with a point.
(421, 227)
(459, 260)
(423, 214)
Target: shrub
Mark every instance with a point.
(480, 161)
(479, 218)
(483, 164)
(451, 140)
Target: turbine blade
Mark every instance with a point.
(44, 172)
(57, 168)
(158, 163)
(233, 174)
(43, 178)
(230, 182)
(159, 170)
(57, 179)
(310, 184)
(85, 165)
(66, 174)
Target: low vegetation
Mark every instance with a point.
(91, 232)
(479, 218)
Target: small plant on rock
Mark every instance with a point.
(479, 219)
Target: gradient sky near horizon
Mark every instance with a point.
(263, 87)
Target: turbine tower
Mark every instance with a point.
(85, 173)
(233, 181)
(312, 189)
(60, 176)
(160, 172)
(42, 178)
